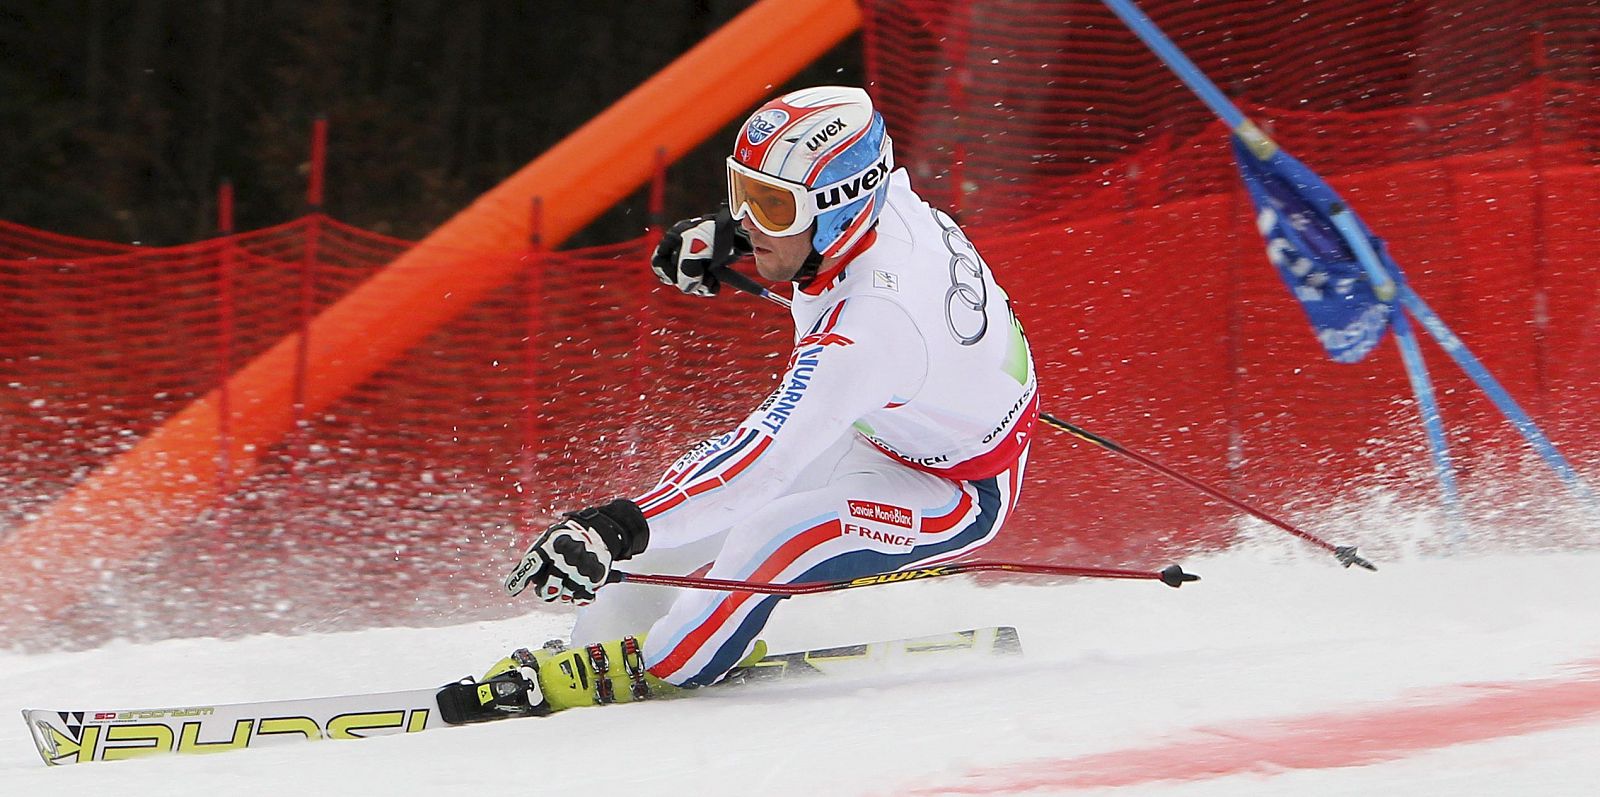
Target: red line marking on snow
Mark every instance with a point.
(1315, 741)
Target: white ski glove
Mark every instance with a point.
(571, 559)
(691, 250)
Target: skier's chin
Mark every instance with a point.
(773, 267)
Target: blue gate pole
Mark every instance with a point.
(1452, 345)
(1384, 287)
(1180, 64)
(1427, 404)
(1131, 15)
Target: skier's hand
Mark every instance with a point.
(571, 559)
(692, 249)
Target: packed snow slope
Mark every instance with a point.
(1279, 673)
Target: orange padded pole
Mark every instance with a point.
(159, 486)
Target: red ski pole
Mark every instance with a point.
(1172, 576)
(1345, 553)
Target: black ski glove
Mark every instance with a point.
(571, 559)
(691, 250)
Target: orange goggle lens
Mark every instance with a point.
(774, 208)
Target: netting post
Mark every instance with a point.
(225, 321)
(657, 208)
(869, 45)
(533, 282)
(956, 53)
(319, 163)
(639, 376)
(1232, 412)
(301, 441)
(1541, 253)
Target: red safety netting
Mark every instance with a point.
(1099, 190)
(990, 101)
(1105, 195)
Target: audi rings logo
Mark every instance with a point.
(966, 302)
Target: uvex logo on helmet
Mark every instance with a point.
(821, 137)
(764, 124)
(854, 188)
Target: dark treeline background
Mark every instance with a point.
(119, 119)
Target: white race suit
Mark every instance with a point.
(897, 437)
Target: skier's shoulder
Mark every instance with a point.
(912, 236)
(900, 275)
(880, 269)
(899, 224)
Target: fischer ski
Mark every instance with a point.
(71, 737)
(882, 657)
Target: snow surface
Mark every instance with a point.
(1277, 674)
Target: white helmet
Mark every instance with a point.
(815, 155)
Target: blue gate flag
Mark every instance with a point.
(1294, 213)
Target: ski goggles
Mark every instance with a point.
(781, 208)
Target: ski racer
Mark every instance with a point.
(897, 436)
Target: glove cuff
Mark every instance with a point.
(620, 523)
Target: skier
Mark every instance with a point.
(897, 436)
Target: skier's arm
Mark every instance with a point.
(865, 354)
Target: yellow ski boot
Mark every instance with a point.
(591, 675)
